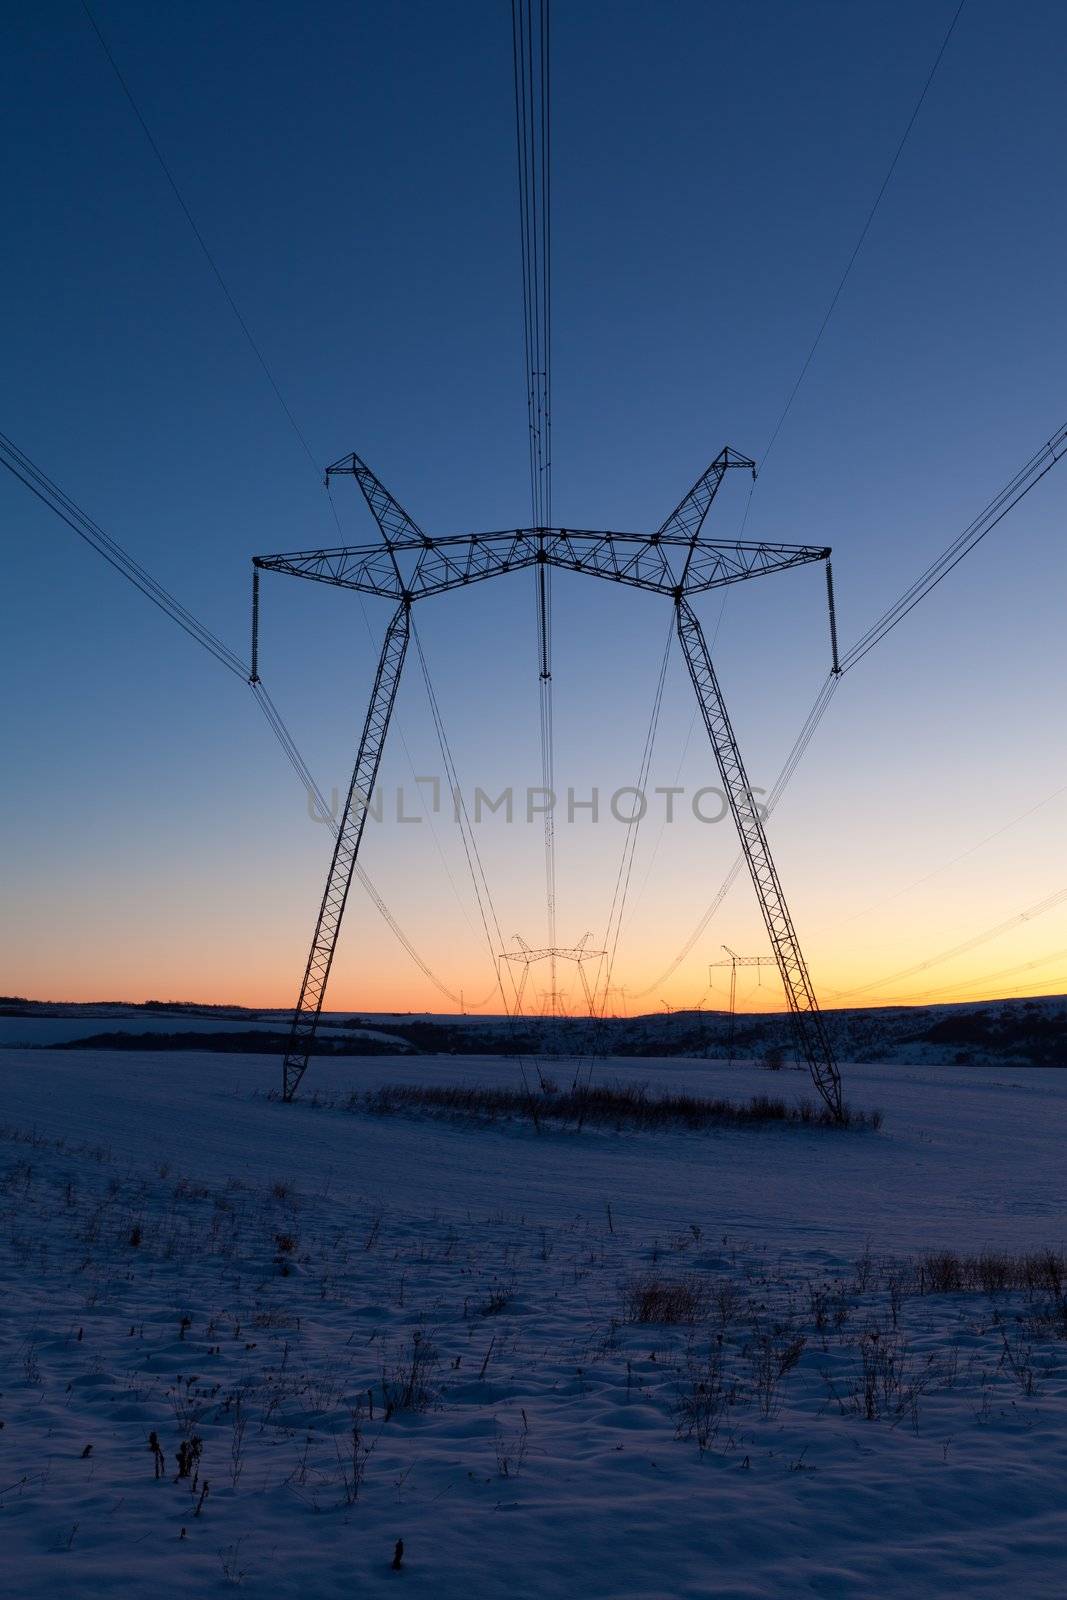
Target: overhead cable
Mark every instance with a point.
(858, 246)
(1037, 910)
(530, 62)
(208, 256)
(38, 482)
(482, 893)
(48, 492)
(298, 432)
(1042, 461)
(987, 978)
(1006, 500)
(617, 910)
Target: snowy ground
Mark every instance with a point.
(182, 1255)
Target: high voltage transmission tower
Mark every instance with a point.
(733, 961)
(408, 565)
(525, 958)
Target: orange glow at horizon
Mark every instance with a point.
(400, 997)
(248, 947)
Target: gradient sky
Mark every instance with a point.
(353, 170)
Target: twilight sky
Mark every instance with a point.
(353, 171)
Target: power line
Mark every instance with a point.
(51, 495)
(208, 257)
(1038, 910)
(530, 65)
(427, 812)
(1031, 473)
(681, 759)
(296, 760)
(1006, 500)
(474, 860)
(835, 297)
(792, 761)
(274, 721)
(253, 344)
(482, 893)
(629, 847)
(825, 694)
(917, 883)
(537, 219)
(622, 879)
(977, 983)
(1021, 990)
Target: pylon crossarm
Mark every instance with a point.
(744, 961)
(406, 566)
(409, 563)
(349, 834)
(809, 1024)
(526, 955)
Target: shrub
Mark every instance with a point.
(649, 1298)
(408, 1386)
(703, 1400)
(618, 1106)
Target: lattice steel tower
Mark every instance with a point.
(408, 565)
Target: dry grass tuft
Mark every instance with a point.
(618, 1106)
(650, 1298)
(992, 1272)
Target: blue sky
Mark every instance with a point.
(353, 171)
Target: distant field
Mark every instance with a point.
(998, 1033)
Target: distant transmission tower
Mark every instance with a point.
(407, 565)
(733, 961)
(525, 958)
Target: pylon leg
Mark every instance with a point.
(733, 1007)
(349, 835)
(810, 1026)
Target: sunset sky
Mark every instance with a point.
(352, 169)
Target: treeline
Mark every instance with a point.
(247, 1041)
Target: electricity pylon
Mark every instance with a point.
(407, 565)
(733, 961)
(526, 958)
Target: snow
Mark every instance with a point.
(308, 1247)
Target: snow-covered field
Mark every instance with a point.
(386, 1328)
